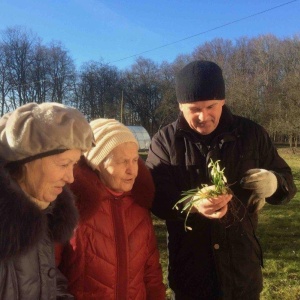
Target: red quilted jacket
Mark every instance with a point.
(113, 254)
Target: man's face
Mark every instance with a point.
(203, 116)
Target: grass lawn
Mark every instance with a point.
(279, 234)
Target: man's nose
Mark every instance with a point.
(202, 115)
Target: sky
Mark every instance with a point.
(117, 32)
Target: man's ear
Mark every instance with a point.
(180, 106)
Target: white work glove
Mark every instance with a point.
(263, 183)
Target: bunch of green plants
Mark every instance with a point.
(192, 197)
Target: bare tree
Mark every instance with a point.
(168, 109)
(99, 91)
(62, 73)
(18, 45)
(240, 76)
(40, 75)
(287, 106)
(261, 74)
(142, 93)
(5, 86)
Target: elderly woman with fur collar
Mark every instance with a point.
(113, 254)
(39, 145)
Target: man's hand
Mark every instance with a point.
(214, 207)
(263, 183)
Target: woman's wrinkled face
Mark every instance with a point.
(119, 170)
(45, 178)
(203, 116)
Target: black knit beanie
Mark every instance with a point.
(199, 81)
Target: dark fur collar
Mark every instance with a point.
(23, 223)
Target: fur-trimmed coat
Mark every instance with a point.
(113, 254)
(27, 236)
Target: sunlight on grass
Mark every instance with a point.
(279, 234)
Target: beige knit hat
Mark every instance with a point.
(108, 133)
(37, 130)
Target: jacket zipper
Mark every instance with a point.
(121, 249)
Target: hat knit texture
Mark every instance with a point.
(41, 129)
(108, 133)
(200, 80)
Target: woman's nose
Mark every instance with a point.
(69, 177)
(131, 167)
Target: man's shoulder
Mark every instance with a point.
(241, 121)
(168, 130)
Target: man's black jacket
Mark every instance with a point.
(217, 259)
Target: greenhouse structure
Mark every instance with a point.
(142, 135)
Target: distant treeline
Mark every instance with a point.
(262, 77)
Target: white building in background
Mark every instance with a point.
(142, 135)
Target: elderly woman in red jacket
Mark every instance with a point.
(113, 254)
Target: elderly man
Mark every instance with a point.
(220, 258)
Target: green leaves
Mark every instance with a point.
(218, 178)
(194, 196)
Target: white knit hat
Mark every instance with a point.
(108, 134)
